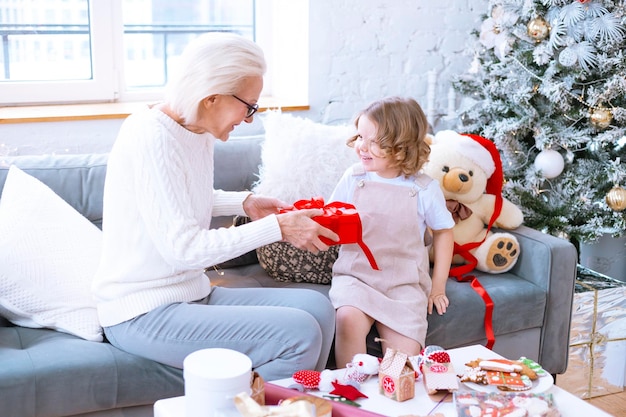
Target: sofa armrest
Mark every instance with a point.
(550, 262)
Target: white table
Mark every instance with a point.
(568, 404)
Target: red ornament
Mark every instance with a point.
(347, 391)
(440, 357)
(388, 385)
(307, 378)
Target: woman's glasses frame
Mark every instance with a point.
(252, 108)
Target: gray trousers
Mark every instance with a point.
(282, 330)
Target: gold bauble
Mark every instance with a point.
(616, 198)
(600, 117)
(538, 29)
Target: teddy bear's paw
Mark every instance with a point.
(500, 253)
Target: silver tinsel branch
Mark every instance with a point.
(551, 74)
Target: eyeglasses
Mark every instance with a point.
(252, 108)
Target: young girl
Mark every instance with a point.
(396, 204)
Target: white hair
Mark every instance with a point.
(212, 63)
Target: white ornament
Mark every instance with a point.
(550, 163)
(568, 57)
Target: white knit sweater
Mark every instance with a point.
(158, 204)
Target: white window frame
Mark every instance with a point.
(282, 31)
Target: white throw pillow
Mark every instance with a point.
(302, 159)
(48, 255)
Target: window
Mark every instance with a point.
(55, 51)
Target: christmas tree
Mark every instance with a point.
(548, 85)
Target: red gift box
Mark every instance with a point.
(341, 218)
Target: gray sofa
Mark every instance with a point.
(48, 373)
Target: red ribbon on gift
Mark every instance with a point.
(341, 218)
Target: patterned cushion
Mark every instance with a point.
(284, 262)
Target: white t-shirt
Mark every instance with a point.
(431, 204)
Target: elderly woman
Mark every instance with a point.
(154, 299)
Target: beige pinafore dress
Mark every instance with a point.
(397, 294)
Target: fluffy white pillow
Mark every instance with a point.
(48, 255)
(302, 159)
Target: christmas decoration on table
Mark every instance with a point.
(342, 382)
(489, 404)
(341, 218)
(545, 77)
(323, 408)
(396, 376)
(505, 374)
(257, 388)
(534, 366)
(247, 407)
(429, 355)
(434, 364)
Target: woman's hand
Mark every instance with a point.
(296, 226)
(298, 229)
(257, 207)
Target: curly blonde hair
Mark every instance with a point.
(401, 132)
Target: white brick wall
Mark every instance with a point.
(361, 50)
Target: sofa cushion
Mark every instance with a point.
(247, 258)
(284, 262)
(48, 373)
(236, 162)
(300, 159)
(518, 305)
(77, 179)
(253, 276)
(48, 253)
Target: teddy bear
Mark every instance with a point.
(469, 171)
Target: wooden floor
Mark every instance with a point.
(614, 404)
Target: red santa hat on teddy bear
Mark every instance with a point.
(479, 150)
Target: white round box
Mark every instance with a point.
(213, 377)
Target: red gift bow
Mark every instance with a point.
(336, 208)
